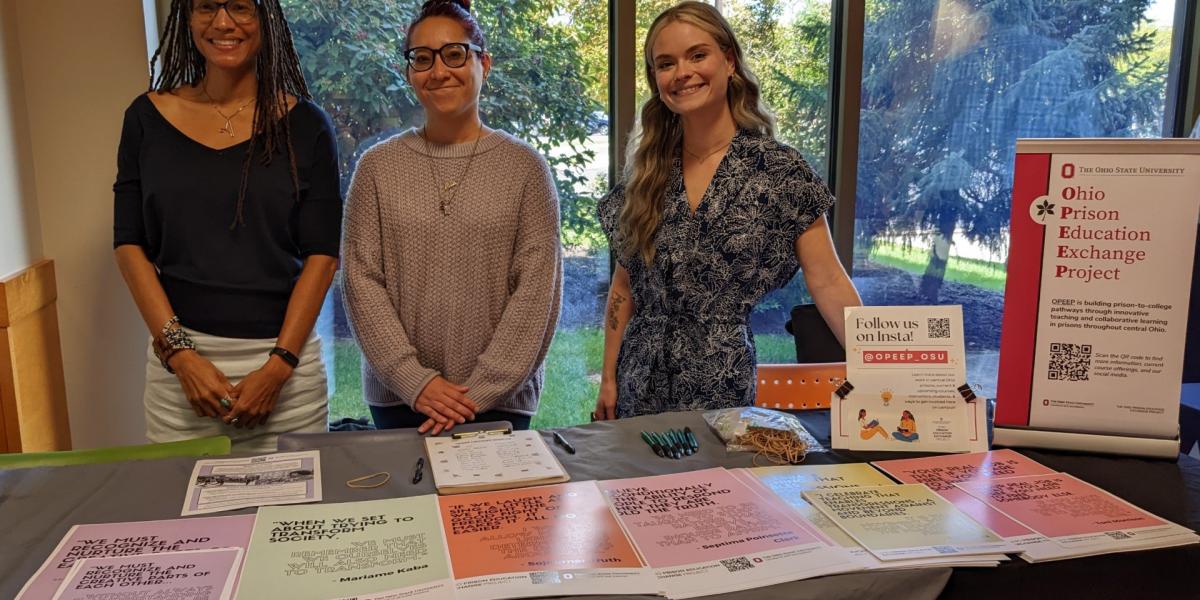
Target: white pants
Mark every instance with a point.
(303, 404)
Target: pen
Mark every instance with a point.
(691, 437)
(653, 444)
(419, 470)
(562, 441)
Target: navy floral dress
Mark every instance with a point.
(689, 345)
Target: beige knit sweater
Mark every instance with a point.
(472, 294)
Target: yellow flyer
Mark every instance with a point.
(905, 522)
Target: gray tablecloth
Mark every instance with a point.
(37, 506)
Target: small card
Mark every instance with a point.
(232, 483)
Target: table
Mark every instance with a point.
(37, 506)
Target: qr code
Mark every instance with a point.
(1070, 362)
(740, 563)
(939, 327)
(545, 577)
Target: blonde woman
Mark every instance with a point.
(713, 214)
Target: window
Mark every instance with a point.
(947, 89)
(549, 86)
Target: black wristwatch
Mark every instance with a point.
(286, 355)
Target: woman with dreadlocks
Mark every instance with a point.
(227, 225)
(453, 267)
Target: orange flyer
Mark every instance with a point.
(540, 541)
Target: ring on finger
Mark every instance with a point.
(234, 421)
(226, 402)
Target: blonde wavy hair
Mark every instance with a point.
(659, 133)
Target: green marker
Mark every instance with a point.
(683, 441)
(669, 447)
(653, 445)
(675, 440)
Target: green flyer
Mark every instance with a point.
(377, 549)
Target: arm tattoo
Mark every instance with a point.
(617, 300)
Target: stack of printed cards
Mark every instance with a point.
(1077, 516)
(791, 482)
(193, 558)
(1045, 514)
(706, 532)
(906, 522)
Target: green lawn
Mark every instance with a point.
(980, 273)
(572, 375)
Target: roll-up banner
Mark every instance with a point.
(1096, 302)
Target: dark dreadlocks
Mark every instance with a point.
(277, 70)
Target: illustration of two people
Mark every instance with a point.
(906, 432)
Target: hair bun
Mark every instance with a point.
(464, 4)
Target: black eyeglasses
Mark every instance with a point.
(241, 11)
(453, 55)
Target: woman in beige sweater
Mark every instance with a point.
(453, 268)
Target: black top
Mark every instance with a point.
(177, 199)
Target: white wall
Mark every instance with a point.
(20, 231)
(82, 62)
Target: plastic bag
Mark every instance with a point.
(778, 435)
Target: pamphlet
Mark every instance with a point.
(905, 521)
(905, 368)
(104, 540)
(940, 473)
(222, 484)
(790, 483)
(555, 540)
(378, 548)
(704, 532)
(1076, 514)
(191, 574)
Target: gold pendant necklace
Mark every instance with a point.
(450, 187)
(227, 129)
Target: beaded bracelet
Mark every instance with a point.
(171, 339)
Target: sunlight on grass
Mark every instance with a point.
(980, 273)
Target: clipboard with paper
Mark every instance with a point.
(494, 458)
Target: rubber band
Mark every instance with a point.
(779, 446)
(361, 482)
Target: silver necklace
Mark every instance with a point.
(451, 186)
(227, 129)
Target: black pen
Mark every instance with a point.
(419, 470)
(691, 438)
(562, 441)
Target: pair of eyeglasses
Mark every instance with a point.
(241, 11)
(453, 55)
